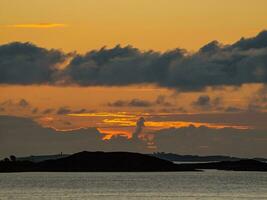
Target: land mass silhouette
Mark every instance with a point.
(122, 162)
(162, 155)
(240, 165)
(195, 158)
(95, 162)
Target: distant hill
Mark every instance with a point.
(41, 158)
(96, 162)
(165, 156)
(241, 165)
(122, 162)
(194, 158)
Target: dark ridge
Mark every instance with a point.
(162, 155)
(122, 162)
(41, 158)
(96, 162)
(195, 158)
(241, 165)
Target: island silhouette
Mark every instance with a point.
(121, 162)
(95, 162)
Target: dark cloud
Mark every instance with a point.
(121, 66)
(173, 110)
(35, 110)
(82, 110)
(48, 111)
(258, 102)
(233, 109)
(252, 43)
(132, 103)
(204, 102)
(211, 47)
(118, 103)
(26, 137)
(67, 123)
(213, 65)
(22, 136)
(23, 103)
(63, 111)
(139, 103)
(25, 63)
(160, 101)
(140, 124)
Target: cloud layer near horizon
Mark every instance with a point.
(213, 65)
(22, 136)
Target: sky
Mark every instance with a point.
(147, 76)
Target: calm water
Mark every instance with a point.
(116, 186)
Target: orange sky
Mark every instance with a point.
(97, 98)
(83, 25)
(115, 120)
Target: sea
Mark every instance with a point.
(210, 184)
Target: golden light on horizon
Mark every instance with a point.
(134, 75)
(40, 25)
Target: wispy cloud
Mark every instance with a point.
(39, 25)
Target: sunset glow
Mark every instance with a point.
(136, 73)
(41, 25)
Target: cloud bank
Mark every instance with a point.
(160, 101)
(213, 65)
(26, 64)
(208, 141)
(22, 136)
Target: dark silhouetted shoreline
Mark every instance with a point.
(122, 162)
(96, 162)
